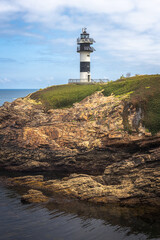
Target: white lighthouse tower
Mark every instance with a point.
(85, 49)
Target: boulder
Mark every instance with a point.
(34, 196)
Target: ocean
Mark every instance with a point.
(9, 95)
(66, 219)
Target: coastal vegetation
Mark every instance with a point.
(142, 90)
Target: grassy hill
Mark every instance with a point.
(143, 90)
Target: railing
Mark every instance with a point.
(86, 80)
(85, 48)
(78, 48)
(85, 40)
(74, 81)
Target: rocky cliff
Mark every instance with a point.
(101, 139)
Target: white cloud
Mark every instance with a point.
(4, 80)
(128, 29)
(7, 7)
(131, 46)
(40, 7)
(133, 13)
(138, 15)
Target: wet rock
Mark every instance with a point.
(112, 187)
(34, 196)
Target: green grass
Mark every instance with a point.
(143, 91)
(61, 96)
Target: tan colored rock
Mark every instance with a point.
(113, 135)
(34, 196)
(119, 184)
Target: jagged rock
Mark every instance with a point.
(32, 139)
(89, 138)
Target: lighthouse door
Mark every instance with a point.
(88, 78)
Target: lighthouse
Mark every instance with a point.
(84, 48)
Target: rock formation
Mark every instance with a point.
(100, 136)
(34, 196)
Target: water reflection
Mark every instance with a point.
(70, 219)
(133, 220)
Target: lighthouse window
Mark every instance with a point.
(84, 36)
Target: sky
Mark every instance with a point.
(38, 40)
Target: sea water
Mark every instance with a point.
(9, 95)
(66, 219)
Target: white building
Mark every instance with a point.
(85, 49)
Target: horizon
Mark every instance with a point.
(18, 88)
(38, 40)
(124, 77)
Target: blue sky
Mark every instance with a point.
(38, 39)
